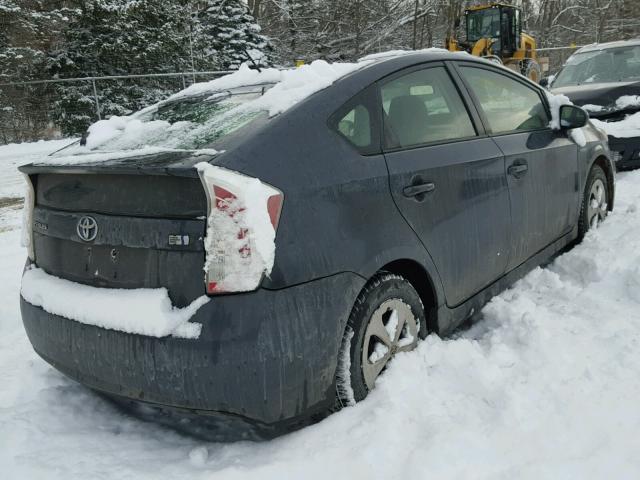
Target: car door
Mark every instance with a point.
(448, 182)
(542, 165)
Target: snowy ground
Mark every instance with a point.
(11, 181)
(547, 385)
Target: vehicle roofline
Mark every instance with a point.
(592, 47)
(395, 60)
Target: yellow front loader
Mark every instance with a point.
(494, 31)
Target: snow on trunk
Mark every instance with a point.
(144, 311)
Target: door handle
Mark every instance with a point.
(419, 189)
(518, 168)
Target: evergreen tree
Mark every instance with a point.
(27, 30)
(118, 37)
(229, 31)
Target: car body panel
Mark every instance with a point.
(469, 207)
(544, 198)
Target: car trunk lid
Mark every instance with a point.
(122, 223)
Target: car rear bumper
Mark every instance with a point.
(268, 357)
(626, 152)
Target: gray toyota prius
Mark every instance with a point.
(266, 268)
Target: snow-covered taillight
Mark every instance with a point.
(243, 215)
(27, 218)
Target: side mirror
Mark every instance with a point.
(544, 82)
(572, 117)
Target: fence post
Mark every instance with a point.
(95, 96)
(184, 83)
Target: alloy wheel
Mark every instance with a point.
(392, 328)
(597, 206)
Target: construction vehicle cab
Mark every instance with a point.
(495, 31)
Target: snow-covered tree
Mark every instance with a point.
(227, 30)
(28, 28)
(118, 37)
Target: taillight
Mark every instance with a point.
(243, 215)
(27, 218)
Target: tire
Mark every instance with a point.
(595, 200)
(385, 301)
(531, 69)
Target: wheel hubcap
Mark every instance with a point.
(597, 209)
(392, 328)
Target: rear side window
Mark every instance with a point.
(355, 126)
(356, 122)
(508, 105)
(422, 107)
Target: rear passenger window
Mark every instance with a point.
(355, 126)
(507, 104)
(423, 107)
(356, 122)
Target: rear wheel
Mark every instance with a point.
(595, 202)
(388, 317)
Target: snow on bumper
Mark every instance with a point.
(145, 311)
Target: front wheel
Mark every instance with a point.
(388, 317)
(595, 204)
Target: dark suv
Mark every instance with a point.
(402, 198)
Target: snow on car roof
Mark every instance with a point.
(290, 86)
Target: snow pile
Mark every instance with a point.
(298, 84)
(239, 260)
(142, 311)
(104, 130)
(555, 102)
(628, 101)
(292, 86)
(626, 128)
(593, 108)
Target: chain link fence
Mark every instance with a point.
(32, 110)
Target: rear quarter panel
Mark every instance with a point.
(338, 213)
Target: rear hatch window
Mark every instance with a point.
(185, 123)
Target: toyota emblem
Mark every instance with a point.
(87, 228)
